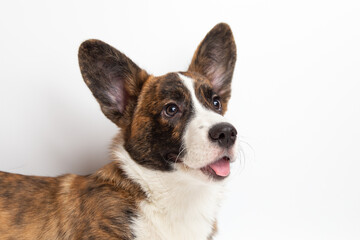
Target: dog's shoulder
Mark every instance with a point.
(105, 203)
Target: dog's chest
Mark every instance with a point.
(184, 216)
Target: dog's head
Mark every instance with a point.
(172, 122)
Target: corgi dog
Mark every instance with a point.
(169, 161)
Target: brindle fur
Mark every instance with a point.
(102, 205)
(98, 206)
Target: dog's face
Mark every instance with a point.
(173, 122)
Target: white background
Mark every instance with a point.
(296, 100)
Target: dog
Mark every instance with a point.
(170, 159)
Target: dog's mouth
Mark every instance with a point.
(219, 169)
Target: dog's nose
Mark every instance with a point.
(224, 134)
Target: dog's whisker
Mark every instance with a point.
(182, 149)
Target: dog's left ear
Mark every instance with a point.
(215, 59)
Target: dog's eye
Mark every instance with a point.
(171, 109)
(216, 102)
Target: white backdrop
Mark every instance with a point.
(296, 100)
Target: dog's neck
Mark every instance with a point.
(187, 206)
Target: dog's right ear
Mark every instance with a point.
(113, 78)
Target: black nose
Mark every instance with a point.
(224, 134)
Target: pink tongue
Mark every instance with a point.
(221, 167)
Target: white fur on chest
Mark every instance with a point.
(178, 212)
(178, 207)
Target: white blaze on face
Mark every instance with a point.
(200, 151)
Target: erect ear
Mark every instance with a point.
(215, 59)
(113, 78)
